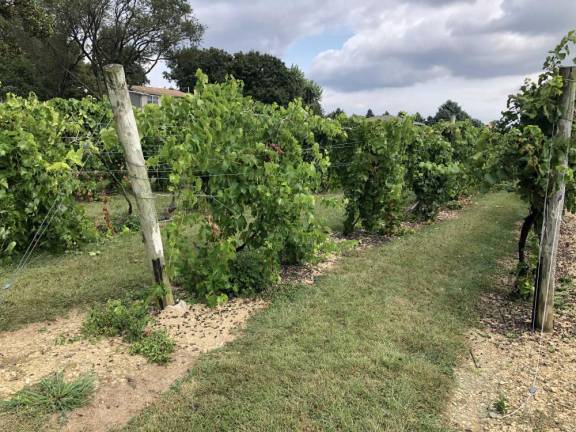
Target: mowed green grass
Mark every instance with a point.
(370, 347)
(51, 285)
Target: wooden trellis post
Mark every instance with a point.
(543, 311)
(129, 138)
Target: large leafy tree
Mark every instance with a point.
(40, 57)
(214, 62)
(61, 48)
(266, 78)
(134, 33)
(21, 15)
(49, 67)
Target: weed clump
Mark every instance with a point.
(129, 321)
(157, 347)
(52, 394)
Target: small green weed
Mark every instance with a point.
(117, 318)
(501, 404)
(64, 339)
(53, 394)
(563, 291)
(156, 347)
(129, 319)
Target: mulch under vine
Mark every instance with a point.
(506, 358)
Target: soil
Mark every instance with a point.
(125, 383)
(533, 373)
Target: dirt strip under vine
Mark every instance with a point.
(504, 353)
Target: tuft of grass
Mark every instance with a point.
(157, 347)
(501, 404)
(371, 346)
(52, 394)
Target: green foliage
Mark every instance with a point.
(36, 180)
(53, 394)
(157, 347)
(370, 166)
(381, 161)
(117, 318)
(254, 270)
(28, 16)
(523, 149)
(501, 405)
(432, 173)
(266, 78)
(242, 180)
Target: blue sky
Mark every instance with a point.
(302, 52)
(392, 55)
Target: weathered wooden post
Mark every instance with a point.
(129, 138)
(543, 311)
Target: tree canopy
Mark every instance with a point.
(22, 16)
(451, 109)
(370, 113)
(266, 78)
(61, 48)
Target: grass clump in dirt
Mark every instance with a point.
(157, 347)
(52, 394)
(129, 320)
(501, 405)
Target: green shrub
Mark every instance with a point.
(370, 167)
(37, 184)
(246, 173)
(432, 173)
(117, 318)
(254, 270)
(156, 347)
(53, 395)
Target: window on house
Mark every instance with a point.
(153, 99)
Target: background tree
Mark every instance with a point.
(184, 63)
(22, 16)
(266, 78)
(370, 113)
(449, 109)
(418, 118)
(49, 67)
(336, 113)
(134, 33)
(308, 90)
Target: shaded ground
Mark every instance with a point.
(504, 357)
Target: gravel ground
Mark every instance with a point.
(506, 359)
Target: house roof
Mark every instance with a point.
(157, 91)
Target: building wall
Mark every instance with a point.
(139, 100)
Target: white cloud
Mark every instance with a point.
(412, 43)
(403, 54)
(481, 98)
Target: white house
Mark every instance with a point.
(143, 95)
